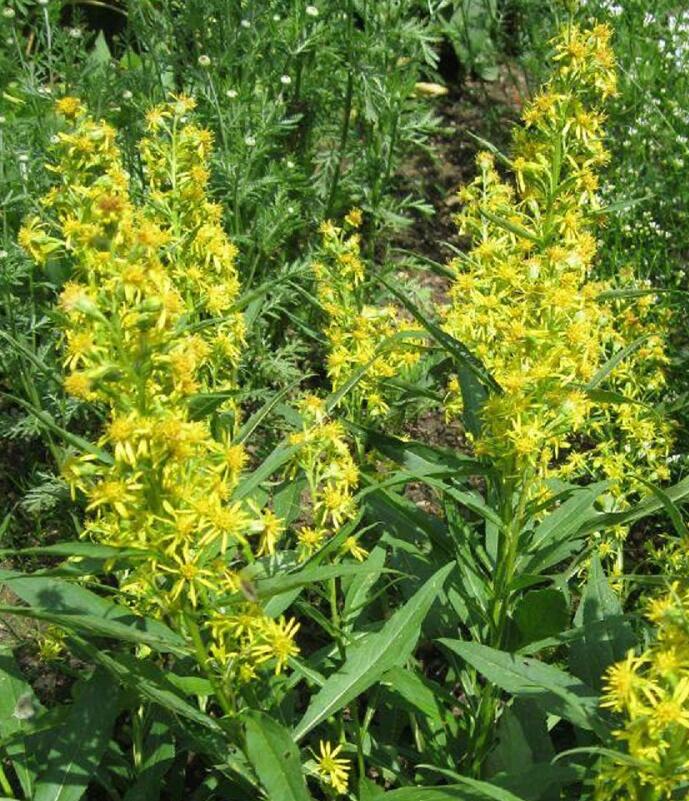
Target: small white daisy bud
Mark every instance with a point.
(285, 80)
(245, 23)
(23, 158)
(9, 13)
(3, 254)
(290, 165)
(312, 11)
(127, 95)
(276, 18)
(75, 33)
(43, 2)
(54, 139)
(249, 141)
(231, 93)
(2, 119)
(204, 61)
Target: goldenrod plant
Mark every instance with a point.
(573, 360)
(550, 368)
(149, 324)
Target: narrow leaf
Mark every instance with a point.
(551, 688)
(275, 758)
(373, 655)
(78, 745)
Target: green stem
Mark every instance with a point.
(502, 591)
(335, 616)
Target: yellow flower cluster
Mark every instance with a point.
(651, 692)
(524, 302)
(332, 476)
(357, 330)
(148, 324)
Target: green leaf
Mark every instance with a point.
(522, 738)
(275, 460)
(543, 547)
(671, 509)
(487, 790)
(551, 688)
(86, 550)
(447, 793)
(452, 346)
(506, 225)
(265, 588)
(149, 682)
(15, 690)
(373, 655)
(78, 745)
(80, 610)
(369, 790)
(605, 643)
(418, 691)
(159, 752)
(542, 781)
(541, 613)
(420, 458)
(99, 58)
(468, 790)
(612, 363)
(259, 416)
(76, 441)
(474, 396)
(677, 492)
(275, 758)
(205, 403)
(361, 585)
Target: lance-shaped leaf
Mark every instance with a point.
(78, 745)
(551, 688)
(275, 757)
(15, 693)
(373, 655)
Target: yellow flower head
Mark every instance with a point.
(332, 768)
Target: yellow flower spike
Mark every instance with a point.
(354, 330)
(523, 300)
(138, 268)
(272, 528)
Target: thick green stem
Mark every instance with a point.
(512, 520)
